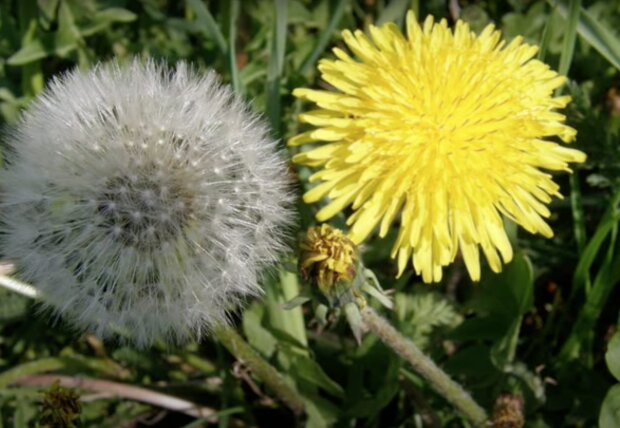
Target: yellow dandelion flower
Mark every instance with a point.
(446, 127)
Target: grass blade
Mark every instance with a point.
(545, 37)
(582, 334)
(597, 34)
(325, 36)
(566, 57)
(207, 22)
(232, 41)
(570, 36)
(275, 67)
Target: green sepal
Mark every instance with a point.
(298, 300)
(354, 317)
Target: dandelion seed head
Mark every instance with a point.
(441, 129)
(125, 200)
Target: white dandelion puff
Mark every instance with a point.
(143, 198)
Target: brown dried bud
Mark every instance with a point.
(328, 259)
(61, 407)
(508, 412)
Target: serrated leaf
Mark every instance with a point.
(610, 410)
(612, 356)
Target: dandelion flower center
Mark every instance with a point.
(447, 129)
(146, 208)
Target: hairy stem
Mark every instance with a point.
(238, 347)
(424, 366)
(18, 287)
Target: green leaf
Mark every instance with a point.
(259, 337)
(275, 67)
(33, 51)
(305, 368)
(592, 249)
(612, 356)
(582, 333)
(68, 36)
(35, 367)
(116, 14)
(517, 279)
(297, 301)
(491, 327)
(610, 410)
(105, 18)
(568, 48)
(25, 413)
(206, 21)
(509, 293)
(321, 413)
(395, 11)
(597, 34)
(12, 306)
(234, 12)
(60, 43)
(503, 351)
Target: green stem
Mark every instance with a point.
(238, 347)
(235, 6)
(424, 366)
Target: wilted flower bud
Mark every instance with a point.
(328, 259)
(508, 412)
(144, 198)
(61, 407)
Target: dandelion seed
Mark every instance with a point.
(445, 127)
(128, 236)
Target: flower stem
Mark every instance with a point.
(18, 287)
(424, 366)
(238, 347)
(129, 392)
(227, 336)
